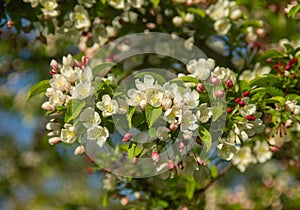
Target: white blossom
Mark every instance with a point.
(82, 90)
(188, 121)
(226, 151)
(222, 26)
(57, 98)
(201, 68)
(87, 3)
(243, 158)
(33, 3)
(191, 98)
(262, 151)
(107, 106)
(136, 3)
(68, 134)
(70, 74)
(59, 82)
(98, 133)
(172, 114)
(81, 17)
(49, 7)
(89, 117)
(204, 113)
(118, 4)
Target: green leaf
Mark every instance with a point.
(185, 79)
(38, 88)
(197, 11)
(129, 116)
(155, 2)
(217, 112)
(289, 48)
(214, 171)
(244, 86)
(74, 109)
(161, 203)
(292, 13)
(205, 137)
(265, 81)
(202, 174)
(134, 150)
(154, 115)
(275, 99)
(105, 200)
(102, 68)
(190, 189)
(255, 23)
(271, 54)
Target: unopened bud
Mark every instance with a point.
(171, 164)
(180, 165)
(47, 106)
(200, 88)
(124, 201)
(80, 150)
(54, 140)
(10, 24)
(143, 104)
(155, 157)
(288, 123)
(219, 93)
(242, 103)
(127, 137)
(53, 126)
(297, 110)
(173, 126)
(246, 93)
(229, 83)
(214, 81)
(229, 110)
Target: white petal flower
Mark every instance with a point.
(188, 121)
(219, 10)
(226, 151)
(262, 151)
(243, 158)
(81, 17)
(68, 134)
(87, 3)
(191, 98)
(204, 113)
(163, 133)
(135, 97)
(154, 97)
(49, 7)
(201, 69)
(89, 117)
(70, 74)
(136, 3)
(107, 106)
(123, 106)
(222, 26)
(57, 98)
(290, 106)
(98, 133)
(248, 110)
(147, 84)
(68, 60)
(33, 3)
(118, 4)
(59, 82)
(86, 75)
(172, 114)
(82, 90)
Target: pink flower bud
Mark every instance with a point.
(229, 83)
(219, 93)
(80, 150)
(214, 81)
(229, 110)
(143, 104)
(84, 60)
(251, 117)
(127, 137)
(47, 106)
(10, 24)
(124, 201)
(155, 157)
(180, 146)
(237, 100)
(180, 165)
(288, 123)
(242, 103)
(200, 88)
(170, 165)
(173, 126)
(54, 140)
(246, 94)
(135, 160)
